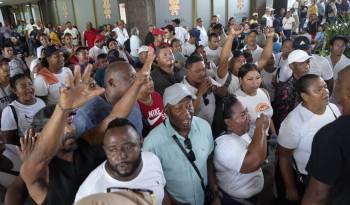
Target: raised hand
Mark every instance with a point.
(27, 144)
(269, 32)
(78, 90)
(236, 29)
(204, 87)
(147, 66)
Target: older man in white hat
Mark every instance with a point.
(183, 143)
(268, 16)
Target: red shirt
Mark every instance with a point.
(89, 37)
(154, 113)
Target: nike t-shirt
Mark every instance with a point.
(153, 114)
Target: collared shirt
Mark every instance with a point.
(188, 49)
(182, 181)
(206, 109)
(122, 35)
(340, 65)
(203, 36)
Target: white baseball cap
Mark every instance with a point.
(269, 9)
(142, 49)
(175, 93)
(255, 14)
(298, 56)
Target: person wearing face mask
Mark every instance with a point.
(165, 73)
(176, 47)
(51, 77)
(98, 48)
(298, 130)
(17, 116)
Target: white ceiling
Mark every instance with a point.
(13, 2)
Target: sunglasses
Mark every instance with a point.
(190, 154)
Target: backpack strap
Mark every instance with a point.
(16, 117)
(228, 80)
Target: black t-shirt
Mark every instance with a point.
(330, 158)
(66, 177)
(162, 80)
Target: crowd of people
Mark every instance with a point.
(238, 114)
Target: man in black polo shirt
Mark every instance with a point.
(165, 74)
(329, 163)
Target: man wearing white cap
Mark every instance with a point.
(286, 98)
(268, 16)
(184, 144)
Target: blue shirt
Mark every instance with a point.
(182, 181)
(96, 110)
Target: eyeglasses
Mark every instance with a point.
(190, 154)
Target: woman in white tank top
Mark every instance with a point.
(252, 96)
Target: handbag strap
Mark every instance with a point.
(192, 163)
(335, 116)
(299, 174)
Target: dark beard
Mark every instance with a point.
(135, 165)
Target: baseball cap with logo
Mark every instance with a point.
(298, 56)
(175, 93)
(301, 42)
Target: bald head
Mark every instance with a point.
(120, 71)
(118, 78)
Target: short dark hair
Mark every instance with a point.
(212, 35)
(80, 49)
(102, 56)
(247, 68)
(303, 83)
(218, 26)
(110, 40)
(193, 59)
(176, 21)
(15, 78)
(7, 44)
(67, 34)
(174, 41)
(68, 22)
(158, 48)
(228, 102)
(120, 122)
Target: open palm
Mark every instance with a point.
(78, 90)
